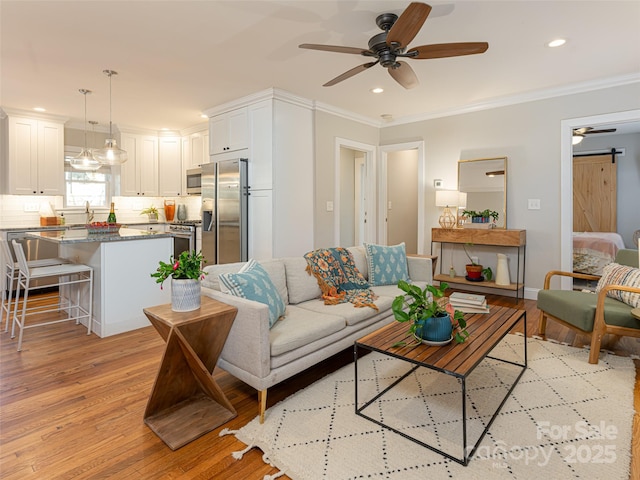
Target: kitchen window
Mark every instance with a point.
(95, 187)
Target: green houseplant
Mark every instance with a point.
(427, 303)
(474, 270)
(152, 212)
(185, 273)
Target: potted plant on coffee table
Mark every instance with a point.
(433, 320)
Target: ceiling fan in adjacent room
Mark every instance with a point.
(579, 133)
(387, 47)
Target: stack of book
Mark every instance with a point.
(469, 302)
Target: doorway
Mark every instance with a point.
(354, 219)
(566, 178)
(401, 199)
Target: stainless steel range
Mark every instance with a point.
(184, 235)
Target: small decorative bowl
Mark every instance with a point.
(102, 228)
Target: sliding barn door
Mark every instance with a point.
(594, 194)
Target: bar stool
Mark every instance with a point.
(11, 275)
(64, 276)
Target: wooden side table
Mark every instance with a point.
(186, 402)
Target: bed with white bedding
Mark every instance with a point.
(593, 250)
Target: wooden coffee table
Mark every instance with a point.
(186, 402)
(459, 360)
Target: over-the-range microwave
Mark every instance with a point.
(194, 181)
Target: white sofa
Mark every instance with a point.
(309, 332)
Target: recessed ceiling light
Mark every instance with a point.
(203, 115)
(558, 42)
(39, 109)
(377, 90)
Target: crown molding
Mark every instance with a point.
(324, 107)
(526, 97)
(268, 94)
(33, 114)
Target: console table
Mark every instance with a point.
(495, 237)
(186, 402)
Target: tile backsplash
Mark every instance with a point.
(24, 210)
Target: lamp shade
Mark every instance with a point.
(111, 154)
(447, 198)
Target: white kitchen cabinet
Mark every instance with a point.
(195, 150)
(280, 153)
(139, 174)
(35, 151)
(170, 166)
(228, 131)
(261, 224)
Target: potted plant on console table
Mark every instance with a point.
(433, 320)
(475, 271)
(186, 273)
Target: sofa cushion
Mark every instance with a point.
(387, 264)
(300, 327)
(393, 290)
(254, 283)
(352, 316)
(360, 259)
(615, 274)
(301, 285)
(275, 269)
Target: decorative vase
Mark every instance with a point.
(434, 329)
(182, 212)
(185, 294)
(502, 270)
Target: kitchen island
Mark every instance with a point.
(122, 264)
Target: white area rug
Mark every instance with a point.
(565, 419)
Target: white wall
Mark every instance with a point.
(529, 135)
(328, 127)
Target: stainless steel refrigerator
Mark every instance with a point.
(224, 211)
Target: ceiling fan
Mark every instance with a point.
(391, 44)
(579, 133)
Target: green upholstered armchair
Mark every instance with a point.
(588, 313)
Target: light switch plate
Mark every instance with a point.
(534, 204)
(31, 207)
(329, 206)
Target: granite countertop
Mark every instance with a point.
(83, 236)
(69, 226)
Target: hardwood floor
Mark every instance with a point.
(71, 406)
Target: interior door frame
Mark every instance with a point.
(369, 152)
(566, 179)
(382, 189)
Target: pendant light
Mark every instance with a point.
(84, 160)
(111, 154)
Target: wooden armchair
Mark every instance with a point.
(588, 313)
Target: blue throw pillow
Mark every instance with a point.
(387, 264)
(254, 283)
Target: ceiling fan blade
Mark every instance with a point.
(408, 24)
(336, 48)
(605, 130)
(404, 75)
(443, 50)
(350, 73)
(582, 130)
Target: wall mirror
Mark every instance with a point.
(484, 180)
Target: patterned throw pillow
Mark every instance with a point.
(254, 283)
(387, 264)
(616, 274)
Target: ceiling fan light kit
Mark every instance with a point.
(392, 44)
(580, 133)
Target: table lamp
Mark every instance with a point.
(446, 199)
